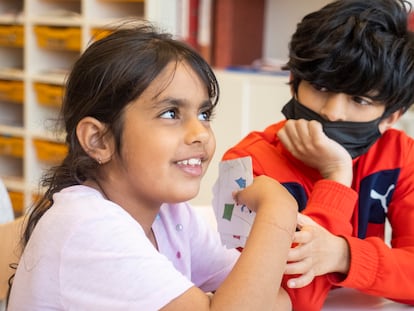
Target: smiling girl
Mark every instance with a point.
(113, 231)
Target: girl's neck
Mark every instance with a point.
(145, 217)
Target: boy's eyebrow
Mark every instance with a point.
(371, 95)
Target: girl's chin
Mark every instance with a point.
(186, 195)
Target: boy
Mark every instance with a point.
(352, 78)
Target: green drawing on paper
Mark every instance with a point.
(228, 211)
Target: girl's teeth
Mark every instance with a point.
(190, 162)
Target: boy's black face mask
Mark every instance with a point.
(355, 137)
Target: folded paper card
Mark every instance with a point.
(233, 221)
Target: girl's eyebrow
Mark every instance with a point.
(177, 102)
(169, 101)
(206, 104)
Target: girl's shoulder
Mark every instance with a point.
(84, 202)
(80, 209)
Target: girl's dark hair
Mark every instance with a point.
(358, 47)
(110, 74)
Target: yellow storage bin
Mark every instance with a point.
(12, 91)
(11, 146)
(50, 152)
(58, 38)
(98, 34)
(49, 94)
(17, 200)
(11, 36)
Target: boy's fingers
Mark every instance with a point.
(302, 237)
(301, 281)
(304, 220)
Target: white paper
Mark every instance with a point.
(233, 221)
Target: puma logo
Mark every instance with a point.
(382, 197)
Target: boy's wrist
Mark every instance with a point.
(343, 259)
(341, 174)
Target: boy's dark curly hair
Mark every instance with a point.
(359, 48)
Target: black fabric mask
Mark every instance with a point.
(355, 137)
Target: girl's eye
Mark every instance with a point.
(170, 114)
(206, 115)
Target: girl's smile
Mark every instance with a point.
(192, 166)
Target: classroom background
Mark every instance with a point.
(246, 42)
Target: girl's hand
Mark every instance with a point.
(264, 191)
(308, 143)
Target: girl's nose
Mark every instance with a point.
(334, 108)
(197, 131)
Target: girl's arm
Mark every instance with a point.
(254, 282)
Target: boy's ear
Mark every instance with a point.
(292, 89)
(94, 139)
(389, 121)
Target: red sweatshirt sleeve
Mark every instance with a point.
(378, 269)
(332, 204)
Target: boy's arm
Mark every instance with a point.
(378, 269)
(326, 195)
(331, 205)
(329, 195)
(374, 267)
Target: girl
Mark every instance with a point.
(111, 232)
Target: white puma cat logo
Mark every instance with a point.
(383, 198)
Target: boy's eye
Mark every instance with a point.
(170, 114)
(319, 88)
(362, 100)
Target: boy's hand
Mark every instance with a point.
(308, 143)
(318, 252)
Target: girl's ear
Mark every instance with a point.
(94, 139)
(389, 121)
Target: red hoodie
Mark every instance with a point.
(382, 187)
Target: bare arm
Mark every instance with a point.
(254, 282)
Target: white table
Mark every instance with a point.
(345, 299)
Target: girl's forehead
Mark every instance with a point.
(176, 80)
(173, 72)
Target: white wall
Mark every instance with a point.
(281, 17)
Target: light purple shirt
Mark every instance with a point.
(87, 253)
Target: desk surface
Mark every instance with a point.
(345, 299)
